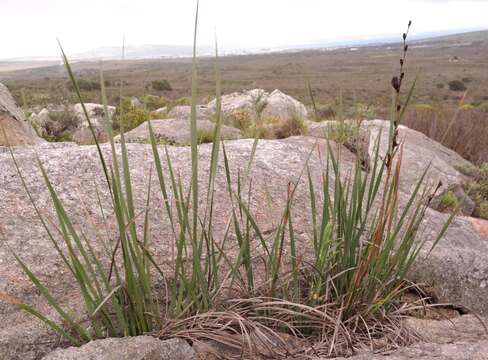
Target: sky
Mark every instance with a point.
(30, 27)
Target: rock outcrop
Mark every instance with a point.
(183, 112)
(419, 151)
(456, 270)
(275, 105)
(69, 121)
(14, 129)
(96, 112)
(177, 132)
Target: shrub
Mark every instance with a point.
(448, 201)
(128, 117)
(456, 85)
(478, 191)
(482, 210)
(153, 102)
(87, 85)
(325, 112)
(292, 126)
(343, 132)
(240, 119)
(205, 135)
(161, 85)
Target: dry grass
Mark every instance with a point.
(465, 130)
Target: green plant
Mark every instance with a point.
(153, 102)
(342, 132)
(161, 85)
(482, 210)
(240, 119)
(128, 117)
(86, 85)
(456, 85)
(292, 126)
(478, 191)
(205, 136)
(449, 201)
(362, 245)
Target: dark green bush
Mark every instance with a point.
(161, 85)
(456, 85)
(88, 85)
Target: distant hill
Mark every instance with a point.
(137, 52)
(141, 52)
(433, 37)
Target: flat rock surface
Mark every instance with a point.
(428, 351)
(129, 348)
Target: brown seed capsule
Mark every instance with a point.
(395, 83)
(406, 48)
(401, 62)
(399, 107)
(404, 36)
(409, 23)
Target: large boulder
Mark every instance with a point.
(177, 132)
(14, 129)
(129, 348)
(456, 270)
(419, 151)
(183, 112)
(275, 105)
(283, 106)
(96, 112)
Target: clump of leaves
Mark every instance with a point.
(128, 116)
(448, 201)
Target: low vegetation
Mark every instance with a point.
(463, 129)
(129, 116)
(456, 85)
(478, 191)
(448, 201)
(161, 85)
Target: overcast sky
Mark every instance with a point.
(30, 27)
